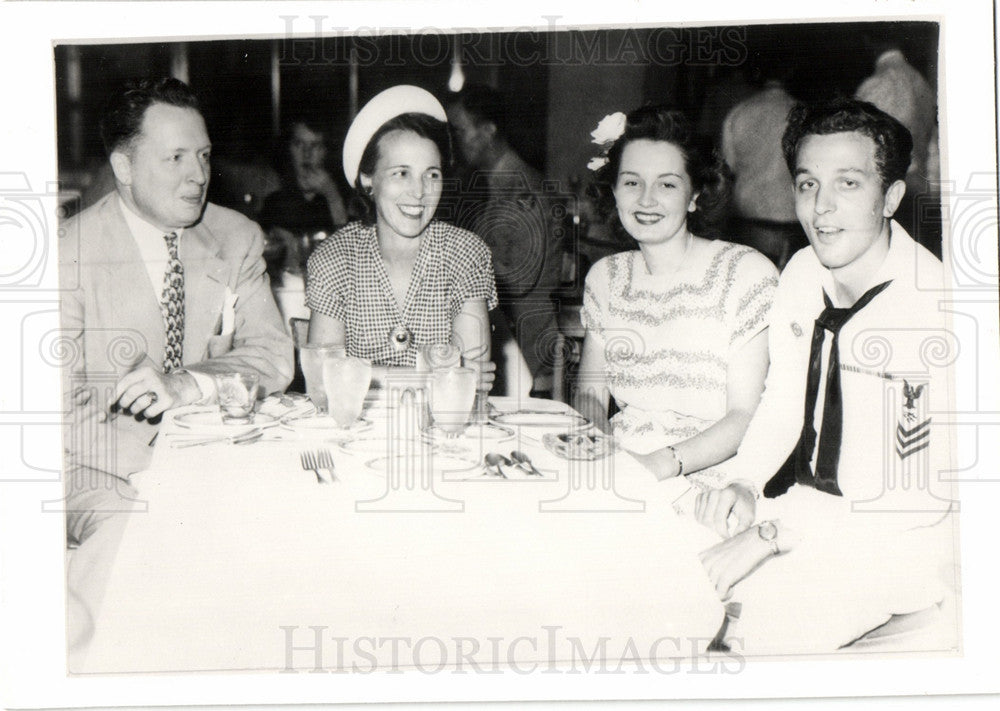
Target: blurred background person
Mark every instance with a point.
(307, 204)
(750, 141)
(501, 201)
(901, 91)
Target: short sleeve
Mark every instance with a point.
(595, 299)
(754, 282)
(473, 274)
(328, 280)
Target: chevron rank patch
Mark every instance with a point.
(913, 429)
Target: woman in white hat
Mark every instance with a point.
(399, 279)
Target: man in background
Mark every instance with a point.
(751, 146)
(502, 203)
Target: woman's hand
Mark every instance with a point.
(487, 374)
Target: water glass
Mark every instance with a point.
(311, 357)
(346, 380)
(437, 355)
(237, 393)
(452, 393)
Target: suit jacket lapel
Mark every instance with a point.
(206, 276)
(134, 304)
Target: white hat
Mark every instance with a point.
(393, 102)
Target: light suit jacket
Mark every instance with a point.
(111, 320)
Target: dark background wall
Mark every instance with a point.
(557, 84)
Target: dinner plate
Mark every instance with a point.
(369, 446)
(540, 418)
(325, 427)
(209, 421)
(443, 463)
(487, 432)
(575, 445)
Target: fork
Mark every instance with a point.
(309, 463)
(325, 461)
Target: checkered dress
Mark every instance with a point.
(347, 280)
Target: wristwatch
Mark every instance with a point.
(769, 532)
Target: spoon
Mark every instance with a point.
(524, 462)
(494, 459)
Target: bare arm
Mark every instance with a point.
(744, 385)
(326, 330)
(470, 331)
(592, 394)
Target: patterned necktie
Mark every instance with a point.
(796, 468)
(172, 307)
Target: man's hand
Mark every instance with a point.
(713, 508)
(148, 392)
(733, 559)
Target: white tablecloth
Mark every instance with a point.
(245, 562)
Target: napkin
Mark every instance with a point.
(229, 312)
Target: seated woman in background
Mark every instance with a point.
(676, 330)
(309, 202)
(399, 279)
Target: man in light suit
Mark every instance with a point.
(161, 290)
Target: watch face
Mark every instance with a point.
(767, 530)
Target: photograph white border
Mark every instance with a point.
(32, 543)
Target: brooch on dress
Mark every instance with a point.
(796, 329)
(400, 338)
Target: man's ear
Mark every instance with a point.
(121, 164)
(893, 196)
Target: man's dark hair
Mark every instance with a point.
(121, 121)
(893, 143)
(484, 105)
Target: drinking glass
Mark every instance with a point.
(452, 393)
(480, 410)
(346, 380)
(312, 356)
(437, 355)
(237, 393)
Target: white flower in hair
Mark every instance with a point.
(597, 163)
(610, 129)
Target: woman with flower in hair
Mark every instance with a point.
(399, 279)
(675, 330)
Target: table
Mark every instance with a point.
(243, 561)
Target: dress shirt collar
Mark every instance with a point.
(898, 263)
(142, 230)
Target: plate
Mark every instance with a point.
(209, 421)
(473, 433)
(324, 426)
(541, 418)
(368, 446)
(446, 463)
(572, 445)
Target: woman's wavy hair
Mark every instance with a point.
(424, 126)
(706, 169)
